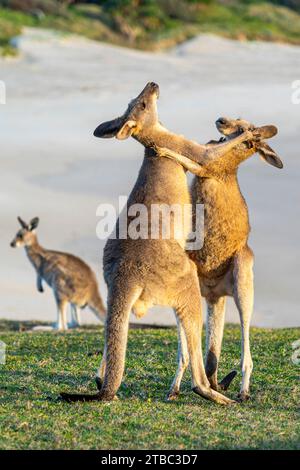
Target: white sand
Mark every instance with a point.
(62, 87)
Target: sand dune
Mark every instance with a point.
(62, 87)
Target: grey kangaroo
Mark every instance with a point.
(225, 261)
(71, 279)
(141, 273)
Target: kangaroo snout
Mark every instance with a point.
(154, 88)
(221, 120)
(223, 125)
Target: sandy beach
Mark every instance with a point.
(61, 87)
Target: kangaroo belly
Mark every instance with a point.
(226, 224)
(66, 286)
(212, 288)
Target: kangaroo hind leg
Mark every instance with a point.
(243, 296)
(75, 316)
(61, 323)
(120, 301)
(182, 361)
(214, 336)
(189, 314)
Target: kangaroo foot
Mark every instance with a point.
(173, 395)
(59, 327)
(243, 396)
(100, 396)
(73, 397)
(212, 395)
(73, 325)
(225, 383)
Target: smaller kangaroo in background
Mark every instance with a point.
(71, 279)
(225, 261)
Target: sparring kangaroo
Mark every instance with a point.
(71, 279)
(141, 273)
(225, 261)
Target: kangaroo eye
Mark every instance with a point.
(143, 105)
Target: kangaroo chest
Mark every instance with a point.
(161, 192)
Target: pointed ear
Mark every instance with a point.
(33, 223)
(22, 222)
(269, 156)
(108, 129)
(126, 130)
(267, 132)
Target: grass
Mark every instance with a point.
(157, 24)
(40, 365)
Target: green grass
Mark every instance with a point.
(157, 24)
(40, 365)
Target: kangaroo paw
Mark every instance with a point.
(243, 396)
(225, 383)
(172, 395)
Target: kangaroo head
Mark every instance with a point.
(140, 115)
(26, 235)
(233, 127)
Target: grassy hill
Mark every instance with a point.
(40, 365)
(154, 24)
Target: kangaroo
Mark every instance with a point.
(225, 261)
(141, 273)
(71, 279)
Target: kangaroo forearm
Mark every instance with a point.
(39, 283)
(215, 151)
(199, 154)
(187, 163)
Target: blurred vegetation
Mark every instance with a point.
(154, 24)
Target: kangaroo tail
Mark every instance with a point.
(96, 305)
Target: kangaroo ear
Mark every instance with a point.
(33, 223)
(268, 155)
(22, 222)
(267, 132)
(126, 130)
(109, 129)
